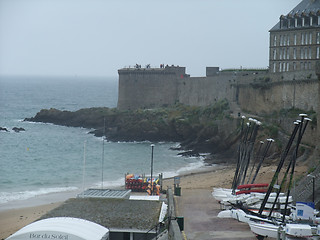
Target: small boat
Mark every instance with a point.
(264, 228)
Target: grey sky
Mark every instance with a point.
(97, 37)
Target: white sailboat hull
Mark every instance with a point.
(264, 229)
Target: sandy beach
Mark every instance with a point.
(196, 188)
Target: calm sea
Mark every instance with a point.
(49, 159)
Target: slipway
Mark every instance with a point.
(62, 228)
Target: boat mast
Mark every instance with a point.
(294, 158)
(234, 182)
(276, 174)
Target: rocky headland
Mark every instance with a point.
(212, 129)
(199, 129)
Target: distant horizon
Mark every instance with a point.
(57, 76)
(116, 76)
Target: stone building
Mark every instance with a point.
(295, 39)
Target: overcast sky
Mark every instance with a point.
(97, 37)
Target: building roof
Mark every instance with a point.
(104, 193)
(62, 228)
(304, 7)
(138, 216)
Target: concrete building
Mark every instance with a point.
(295, 39)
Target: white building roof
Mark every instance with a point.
(62, 228)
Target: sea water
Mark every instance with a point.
(47, 158)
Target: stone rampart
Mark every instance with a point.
(274, 96)
(148, 87)
(254, 91)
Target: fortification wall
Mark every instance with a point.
(254, 91)
(203, 91)
(148, 88)
(266, 98)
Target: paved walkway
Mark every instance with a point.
(200, 211)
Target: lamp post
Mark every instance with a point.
(152, 146)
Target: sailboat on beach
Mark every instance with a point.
(259, 209)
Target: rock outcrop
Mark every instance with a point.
(4, 129)
(198, 129)
(18, 129)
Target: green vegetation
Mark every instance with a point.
(271, 130)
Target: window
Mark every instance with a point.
(280, 67)
(301, 66)
(309, 52)
(274, 67)
(288, 40)
(295, 39)
(318, 37)
(274, 54)
(305, 53)
(280, 54)
(294, 66)
(288, 65)
(294, 53)
(302, 38)
(301, 53)
(274, 40)
(303, 22)
(306, 39)
(310, 38)
(281, 39)
(309, 65)
(318, 52)
(288, 53)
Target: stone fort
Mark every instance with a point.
(289, 82)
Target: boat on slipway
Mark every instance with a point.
(261, 212)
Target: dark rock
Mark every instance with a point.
(190, 153)
(4, 129)
(17, 129)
